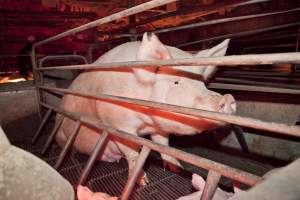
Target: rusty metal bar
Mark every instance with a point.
(52, 134)
(99, 146)
(110, 18)
(227, 171)
(238, 131)
(67, 146)
(136, 172)
(44, 120)
(251, 59)
(240, 34)
(249, 88)
(210, 185)
(233, 119)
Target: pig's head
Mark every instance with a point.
(177, 87)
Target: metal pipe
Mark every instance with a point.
(224, 20)
(36, 76)
(238, 131)
(262, 83)
(249, 88)
(240, 34)
(99, 146)
(53, 57)
(67, 146)
(52, 134)
(227, 171)
(125, 13)
(251, 59)
(233, 119)
(210, 185)
(38, 132)
(135, 173)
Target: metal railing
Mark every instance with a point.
(215, 170)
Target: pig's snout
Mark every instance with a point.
(227, 104)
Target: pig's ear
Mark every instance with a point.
(150, 49)
(216, 51)
(198, 182)
(84, 193)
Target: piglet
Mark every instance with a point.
(198, 183)
(84, 193)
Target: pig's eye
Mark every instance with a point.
(176, 82)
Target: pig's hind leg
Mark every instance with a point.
(168, 161)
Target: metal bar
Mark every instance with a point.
(110, 18)
(251, 59)
(92, 159)
(238, 131)
(205, 9)
(52, 134)
(135, 173)
(233, 119)
(227, 171)
(240, 34)
(67, 146)
(38, 132)
(53, 57)
(249, 88)
(210, 185)
(262, 83)
(36, 76)
(224, 20)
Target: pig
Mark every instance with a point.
(172, 85)
(84, 193)
(198, 183)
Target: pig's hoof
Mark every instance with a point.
(143, 181)
(176, 168)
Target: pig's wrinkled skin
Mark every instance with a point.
(84, 193)
(198, 183)
(164, 85)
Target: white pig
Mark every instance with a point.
(169, 85)
(198, 183)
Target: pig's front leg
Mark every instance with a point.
(170, 162)
(131, 156)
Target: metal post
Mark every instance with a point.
(136, 172)
(238, 131)
(92, 159)
(51, 136)
(68, 144)
(45, 118)
(210, 185)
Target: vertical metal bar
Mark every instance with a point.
(52, 134)
(240, 137)
(93, 157)
(68, 144)
(210, 185)
(38, 132)
(132, 20)
(136, 172)
(36, 75)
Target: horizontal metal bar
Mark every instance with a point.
(240, 34)
(251, 59)
(250, 88)
(110, 18)
(224, 20)
(61, 57)
(233, 119)
(232, 173)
